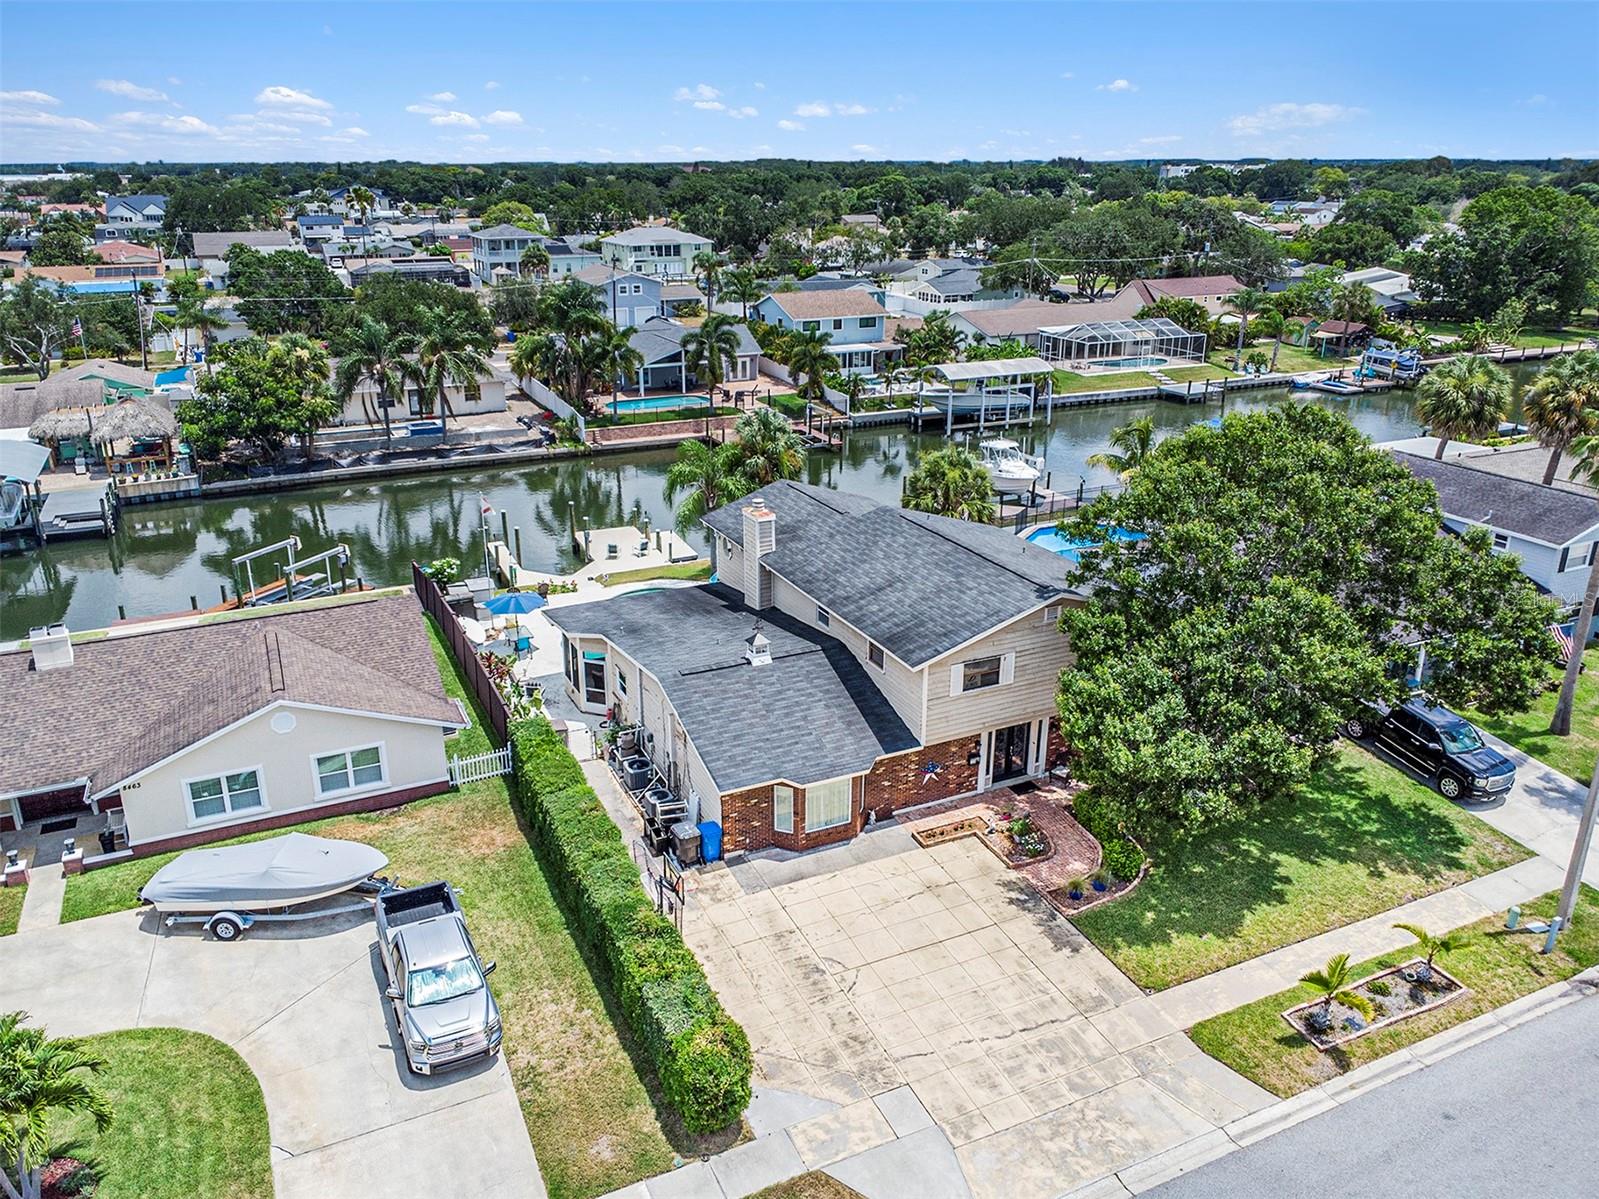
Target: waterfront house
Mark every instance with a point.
(1552, 530)
(1390, 290)
(654, 250)
(486, 394)
(500, 248)
(855, 659)
(850, 316)
(1026, 319)
(659, 341)
(629, 297)
(211, 730)
(1209, 290)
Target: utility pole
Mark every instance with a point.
(1579, 851)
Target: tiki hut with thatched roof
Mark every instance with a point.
(131, 430)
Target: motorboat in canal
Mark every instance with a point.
(1009, 469)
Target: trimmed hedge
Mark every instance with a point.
(700, 1053)
(1119, 854)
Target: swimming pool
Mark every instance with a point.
(660, 403)
(1129, 363)
(1052, 539)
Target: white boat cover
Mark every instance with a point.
(272, 873)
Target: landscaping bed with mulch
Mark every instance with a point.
(1397, 993)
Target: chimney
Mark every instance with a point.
(52, 647)
(758, 650)
(760, 539)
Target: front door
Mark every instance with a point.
(1010, 752)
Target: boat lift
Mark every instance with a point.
(291, 584)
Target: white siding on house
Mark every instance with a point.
(157, 803)
(1037, 653)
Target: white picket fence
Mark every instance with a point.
(481, 766)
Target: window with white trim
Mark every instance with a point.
(224, 794)
(1501, 541)
(979, 674)
(823, 616)
(827, 805)
(783, 808)
(874, 654)
(349, 769)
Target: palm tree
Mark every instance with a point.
(1135, 440)
(448, 350)
(1245, 303)
(374, 352)
(951, 482)
(708, 266)
(1332, 984)
(741, 285)
(615, 357)
(854, 385)
(1440, 946)
(194, 314)
(1465, 397)
(710, 474)
(769, 449)
(364, 201)
(535, 259)
(41, 1076)
(1586, 466)
(144, 302)
(708, 350)
(808, 360)
(1563, 405)
(1273, 324)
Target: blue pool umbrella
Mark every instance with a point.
(515, 603)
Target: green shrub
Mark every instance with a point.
(1120, 855)
(701, 1055)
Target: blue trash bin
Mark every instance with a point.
(710, 841)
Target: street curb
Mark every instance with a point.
(1268, 1121)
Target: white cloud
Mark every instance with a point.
(1117, 85)
(863, 148)
(167, 123)
(423, 110)
(442, 97)
(1273, 118)
(174, 81)
(699, 92)
(763, 148)
(278, 96)
(46, 120)
(124, 87)
(477, 137)
(819, 108)
(302, 118)
(27, 97)
(710, 105)
(491, 85)
(454, 118)
(740, 114)
(1162, 139)
(759, 86)
(502, 116)
(791, 126)
(670, 149)
(1068, 75)
(355, 131)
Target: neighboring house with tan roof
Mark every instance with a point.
(119, 252)
(212, 730)
(100, 277)
(1023, 320)
(1209, 290)
(854, 320)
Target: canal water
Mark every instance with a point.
(163, 554)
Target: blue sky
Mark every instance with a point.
(677, 80)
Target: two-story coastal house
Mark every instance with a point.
(854, 660)
(629, 298)
(500, 247)
(654, 250)
(665, 364)
(850, 316)
(130, 214)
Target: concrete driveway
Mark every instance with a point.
(303, 1006)
(864, 972)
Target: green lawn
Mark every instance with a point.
(1204, 371)
(689, 412)
(10, 908)
(1529, 731)
(188, 1120)
(1497, 967)
(593, 1115)
(1290, 359)
(1532, 338)
(698, 571)
(1361, 839)
(1067, 382)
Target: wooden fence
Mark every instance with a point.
(472, 669)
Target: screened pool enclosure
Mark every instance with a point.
(1125, 344)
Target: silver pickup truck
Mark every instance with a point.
(437, 982)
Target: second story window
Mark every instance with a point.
(823, 616)
(874, 654)
(1501, 541)
(979, 673)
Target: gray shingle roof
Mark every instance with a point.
(504, 231)
(916, 584)
(216, 245)
(648, 235)
(661, 337)
(1548, 514)
(156, 693)
(811, 714)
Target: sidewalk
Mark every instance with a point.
(41, 902)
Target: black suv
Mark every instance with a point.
(1435, 741)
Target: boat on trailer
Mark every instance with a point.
(1008, 468)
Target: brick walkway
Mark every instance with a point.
(1076, 853)
(662, 431)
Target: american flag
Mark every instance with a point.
(1563, 640)
(488, 508)
(77, 327)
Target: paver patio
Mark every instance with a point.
(890, 972)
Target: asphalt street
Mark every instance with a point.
(1513, 1116)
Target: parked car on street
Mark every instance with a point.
(437, 982)
(1437, 743)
